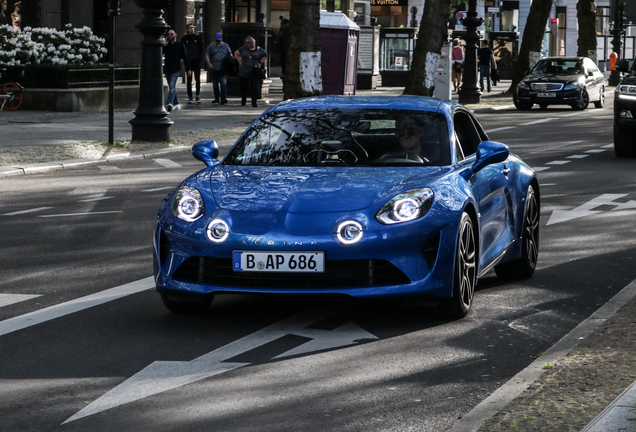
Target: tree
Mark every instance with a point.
(532, 39)
(586, 14)
(302, 69)
(431, 37)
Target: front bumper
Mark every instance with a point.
(405, 259)
(561, 97)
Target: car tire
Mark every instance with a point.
(543, 106)
(583, 101)
(465, 272)
(188, 305)
(522, 106)
(524, 267)
(623, 143)
(600, 103)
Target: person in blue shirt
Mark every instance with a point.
(214, 57)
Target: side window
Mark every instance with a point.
(458, 149)
(466, 132)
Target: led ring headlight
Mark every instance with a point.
(349, 232)
(218, 230)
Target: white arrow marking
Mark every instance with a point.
(161, 376)
(585, 209)
(626, 206)
(9, 299)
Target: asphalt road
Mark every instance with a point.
(85, 343)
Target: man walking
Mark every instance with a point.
(194, 47)
(214, 55)
(175, 54)
(486, 60)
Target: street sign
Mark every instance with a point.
(460, 15)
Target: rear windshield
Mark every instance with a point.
(558, 67)
(344, 137)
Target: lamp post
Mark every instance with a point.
(151, 120)
(616, 31)
(470, 93)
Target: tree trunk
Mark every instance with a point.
(431, 37)
(530, 51)
(302, 69)
(586, 14)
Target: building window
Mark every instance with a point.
(510, 16)
(602, 20)
(562, 23)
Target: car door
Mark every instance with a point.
(490, 190)
(591, 80)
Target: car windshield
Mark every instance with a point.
(344, 137)
(558, 67)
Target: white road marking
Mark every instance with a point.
(33, 210)
(501, 128)
(168, 163)
(538, 169)
(558, 162)
(608, 146)
(594, 151)
(158, 189)
(161, 376)
(43, 315)
(108, 167)
(536, 122)
(587, 208)
(577, 156)
(9, 299)
(548, 184)
(79, 214)
(96, 199)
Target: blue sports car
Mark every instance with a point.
(361, 196)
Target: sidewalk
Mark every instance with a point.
(583, 379)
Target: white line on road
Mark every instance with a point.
(537, 122)
(80, 214)
(9, 299)
(501, 128)
(108, 167)
(595, 151)
(168, 163)
(577, 156)
(96, 199)
(558, 162)
(158, 189)
(537, 169)
(27, 211)
(38, 317)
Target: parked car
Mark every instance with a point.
(574, 81)
(625, 112)
(361, 196)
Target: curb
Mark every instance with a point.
(505, 394)
(73, 163)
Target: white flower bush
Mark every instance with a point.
(73, 46)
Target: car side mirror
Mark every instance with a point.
(488, 153)
(206, 152)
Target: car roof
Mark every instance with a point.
(564, 58)
(403, 102)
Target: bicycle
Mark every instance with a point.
(11, 94)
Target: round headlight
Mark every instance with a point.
(407, 209)
(188, 204)
(218, 230)
(349, 232)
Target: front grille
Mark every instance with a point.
(338, 274)
(542, 86)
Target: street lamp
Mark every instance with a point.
(151, 120)
(470, 93)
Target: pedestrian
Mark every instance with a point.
(16, 18)
(194, 47)
(486, 61)
(458, 64)
(175, 55)
(251, 59)
(214, 58)
(4, 19)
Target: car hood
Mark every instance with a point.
(552, 78)
(312, 190)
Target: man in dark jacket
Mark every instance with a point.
(175, 54)
(194, 47)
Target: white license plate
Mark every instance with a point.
(308, 262)
(546, 95)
